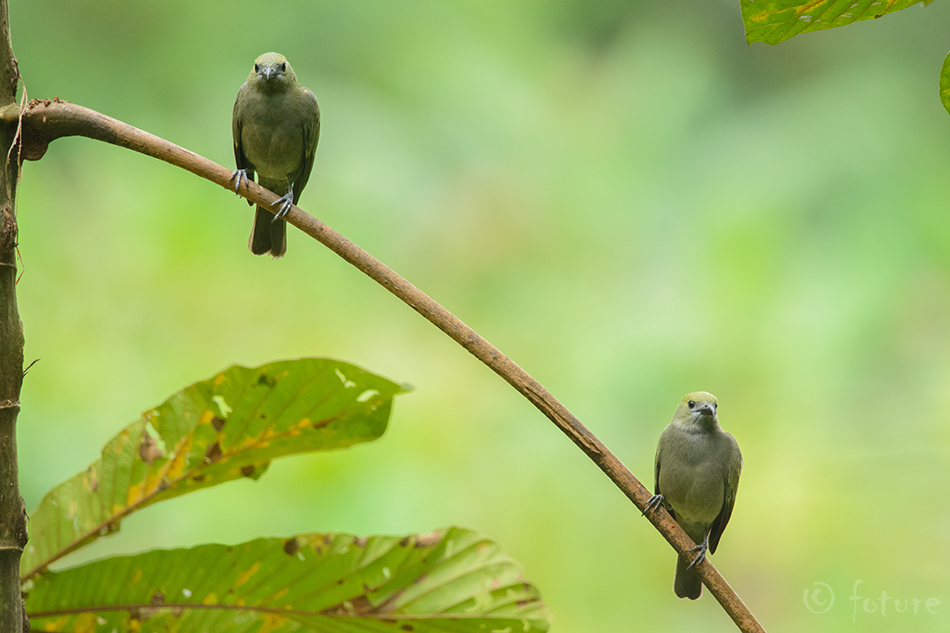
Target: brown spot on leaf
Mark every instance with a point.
(291, 546)
(404, 542)
(247, 471)
(264, 379)
(149, 450)
(144, 613)
(357, 605)
(218, 423)
(359, 542)
(213, 453)
(407, 627)
(319, 424)
(198, 478)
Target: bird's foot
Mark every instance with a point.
(285, 201)
(702, 547)
(237, 176)
(652, 504)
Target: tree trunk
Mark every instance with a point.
(12, 512)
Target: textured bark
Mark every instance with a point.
(12, 512)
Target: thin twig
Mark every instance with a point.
(47, 120)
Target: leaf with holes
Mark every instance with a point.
(450, 580)
(774, 21)
(214, 431)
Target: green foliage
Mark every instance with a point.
(774, 21)
(231, 426)
(214, 431)
(945, 83)
(450, 580)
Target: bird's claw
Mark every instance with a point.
(237, 176)
(286, 201)
(652, 504)
(702, 547)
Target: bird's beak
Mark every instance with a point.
(707, 409)
(266, 72)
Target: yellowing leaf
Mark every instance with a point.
(774, 21)
(185, 444)
(311, 582)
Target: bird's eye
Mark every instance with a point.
(283, 67)
(691, 404)
(257, 68)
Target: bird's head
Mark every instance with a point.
(697, 410)
(272, 71)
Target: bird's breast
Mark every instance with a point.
(275, 150)
(692, 478)
(272, 132)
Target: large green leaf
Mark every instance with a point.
(774, 21)
(214, 431)
(451, 580)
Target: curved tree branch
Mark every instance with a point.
(45, 121)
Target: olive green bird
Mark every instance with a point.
(697, 475)
(276, 125)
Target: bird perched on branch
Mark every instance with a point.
(696, 477)
(276, 124)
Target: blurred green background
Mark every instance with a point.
(623, 196)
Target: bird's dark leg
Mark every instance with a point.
(286, 201)
(237, 176)
(702, 547)
(654, 502)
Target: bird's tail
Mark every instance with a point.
(687, 583)
(268, 236)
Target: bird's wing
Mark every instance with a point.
(311, 134)
(236, 124)
(656, 479)
(730, 487)
(240, 160)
